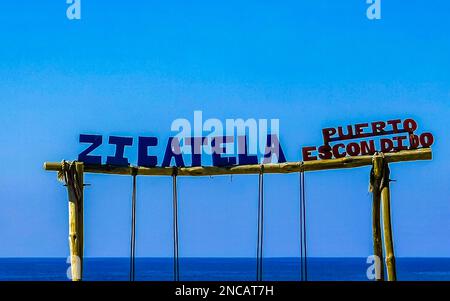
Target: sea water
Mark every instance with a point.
(218, 269)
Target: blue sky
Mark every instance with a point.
(131, 68)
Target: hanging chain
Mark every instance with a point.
(133, 229)
(176, 263)
(303, 240)
(260, 242)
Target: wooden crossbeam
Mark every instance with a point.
(281, 168)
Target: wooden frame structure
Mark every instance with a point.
(379, 183)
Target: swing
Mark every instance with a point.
(260, 232)
(176, 264)
(302, 222)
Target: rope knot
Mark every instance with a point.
(134, 171)
(174, 171)
(301, 166)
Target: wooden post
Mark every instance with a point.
(387, 229)
(76, 229)
(376, 225)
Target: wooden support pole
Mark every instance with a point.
(76, 229)
(288, 167)
(387, 229)
(376, 175)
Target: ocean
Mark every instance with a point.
(218, 269)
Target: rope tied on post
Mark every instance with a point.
(69, 176)
(379, 178)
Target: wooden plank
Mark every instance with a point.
(283, 168)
